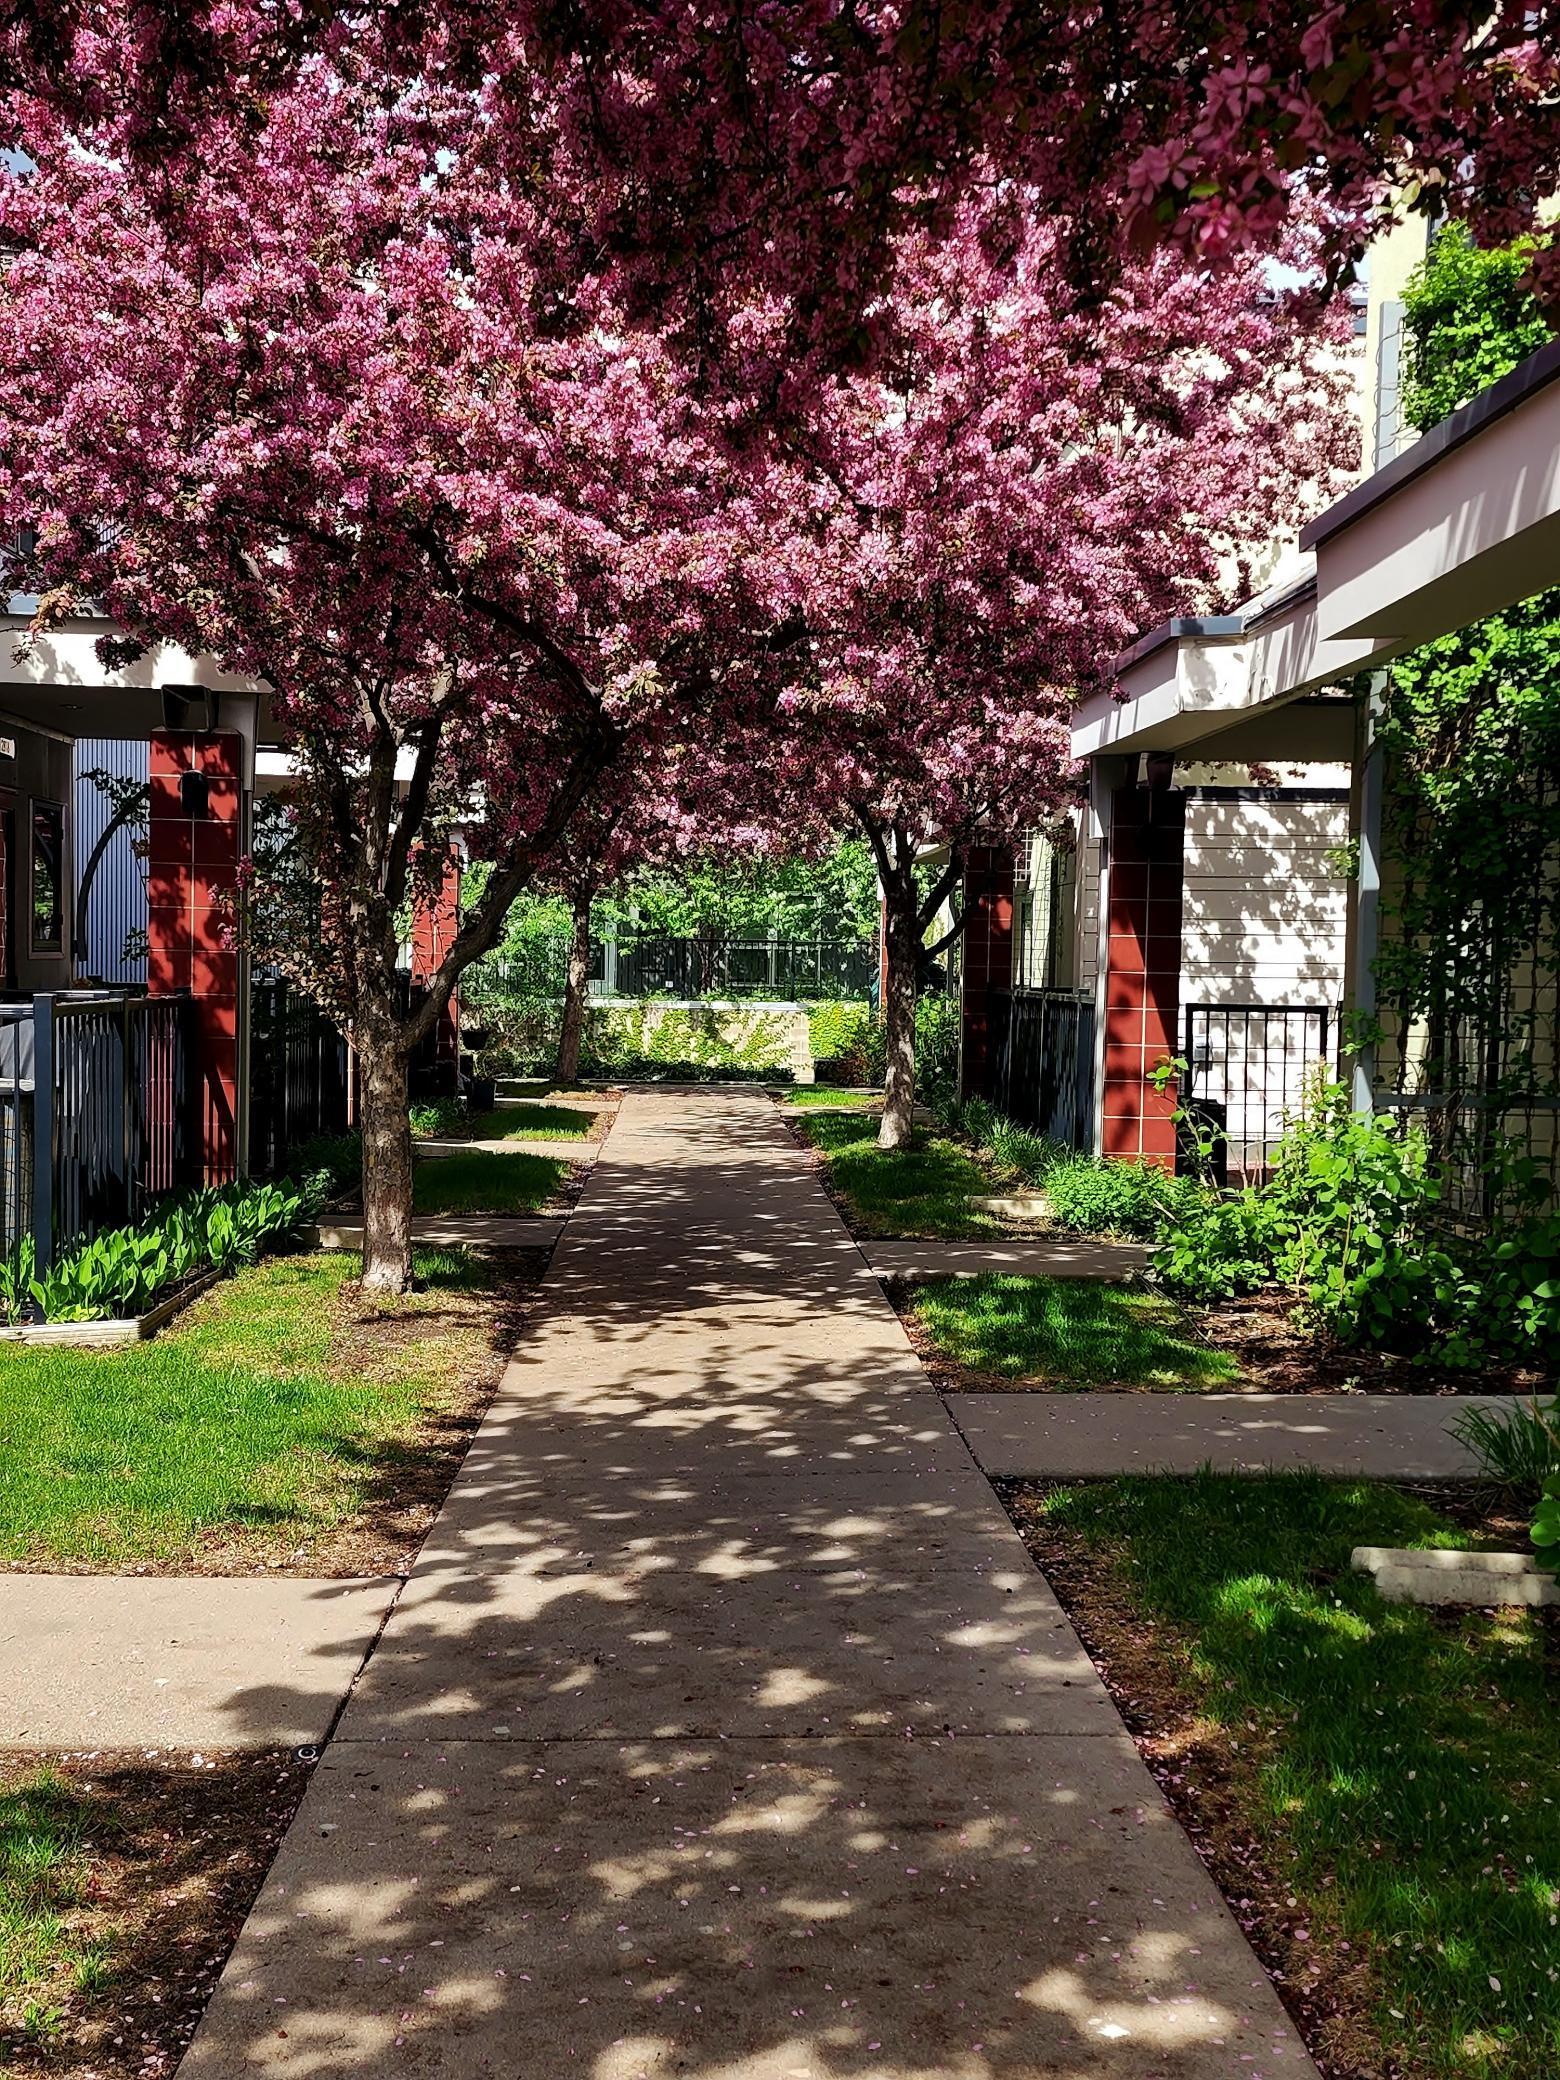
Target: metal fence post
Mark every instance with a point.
(43, 1133)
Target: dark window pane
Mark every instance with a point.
(48, 860)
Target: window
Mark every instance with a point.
(48, 878)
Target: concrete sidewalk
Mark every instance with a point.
(724, 1729)
(139, 1661)
(1384, 1436)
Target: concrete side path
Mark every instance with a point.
(1386, 1436)
(95, 1661)
(457, 1231)
(724, 1729)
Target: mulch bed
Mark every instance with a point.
(1279, 1357)
(177, 1847)
(1208, 1777)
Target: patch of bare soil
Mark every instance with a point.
(1210, 1780)
(175, 1848)
(1279, 1356)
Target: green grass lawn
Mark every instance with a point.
(1398, 1767)
(809, 1094)
(43, 1873)
(1066, 1333)
(925, 1189)
(483, 1181)
(532, 1122)
(274, 1410)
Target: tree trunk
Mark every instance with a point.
(387, 1159)
(902, 934)
(576, 984)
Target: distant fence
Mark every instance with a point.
(98, 1113)
(1248, 1066)
(300, 1074)
(1045, 1062)
(780, 970)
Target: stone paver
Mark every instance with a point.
(1393, 1436)
(98, 1661)
(724, 1729)
(1048, 1259)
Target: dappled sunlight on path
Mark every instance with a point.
(724, 1729)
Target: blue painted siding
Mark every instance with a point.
(117, 905)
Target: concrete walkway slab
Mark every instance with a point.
(1048, 1259)
(103, 1661)
(724, 1729)
(1381, 1436)
(742, 1910)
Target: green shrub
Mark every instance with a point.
(1518, 1448)
(338, 1158)
(1217, 1249)
(938, 1023)
(122, 1271)
(849, 1044)
(1107, 1196)
(439, 1116)
(719, 1040)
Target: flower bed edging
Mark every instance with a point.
(100, 1335)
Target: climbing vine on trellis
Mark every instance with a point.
(1470, 954)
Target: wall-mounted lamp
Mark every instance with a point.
(195, 795)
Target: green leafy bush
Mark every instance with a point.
(1217, 1249)
(1092, 1195)
(938, 1022)
(438, 1116)
(122, 1271)
(338, 1158)
(848, 1044)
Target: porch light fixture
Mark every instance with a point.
(195, 795)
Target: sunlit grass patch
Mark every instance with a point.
(925, 1189)
(484, 1181)
(1066, 1333)
(272, 1410)
(1399, 1765)
(42, 1874)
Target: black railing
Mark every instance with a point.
(1248, 1068)
(299, 1074)
(781, 970)
(1045, 1062)
(97, 1113)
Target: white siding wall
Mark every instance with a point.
(1265, 910)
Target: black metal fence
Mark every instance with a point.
(1248, 1068)
(98, 1115)
(1045, 1062)
(300, 1074)
(784, 970)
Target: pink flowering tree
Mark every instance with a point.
(717, 139)
(335, 406)
(1033, 477)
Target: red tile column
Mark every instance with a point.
(1145, 862)
(988, 963)
(193, 842)
(435, 921)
